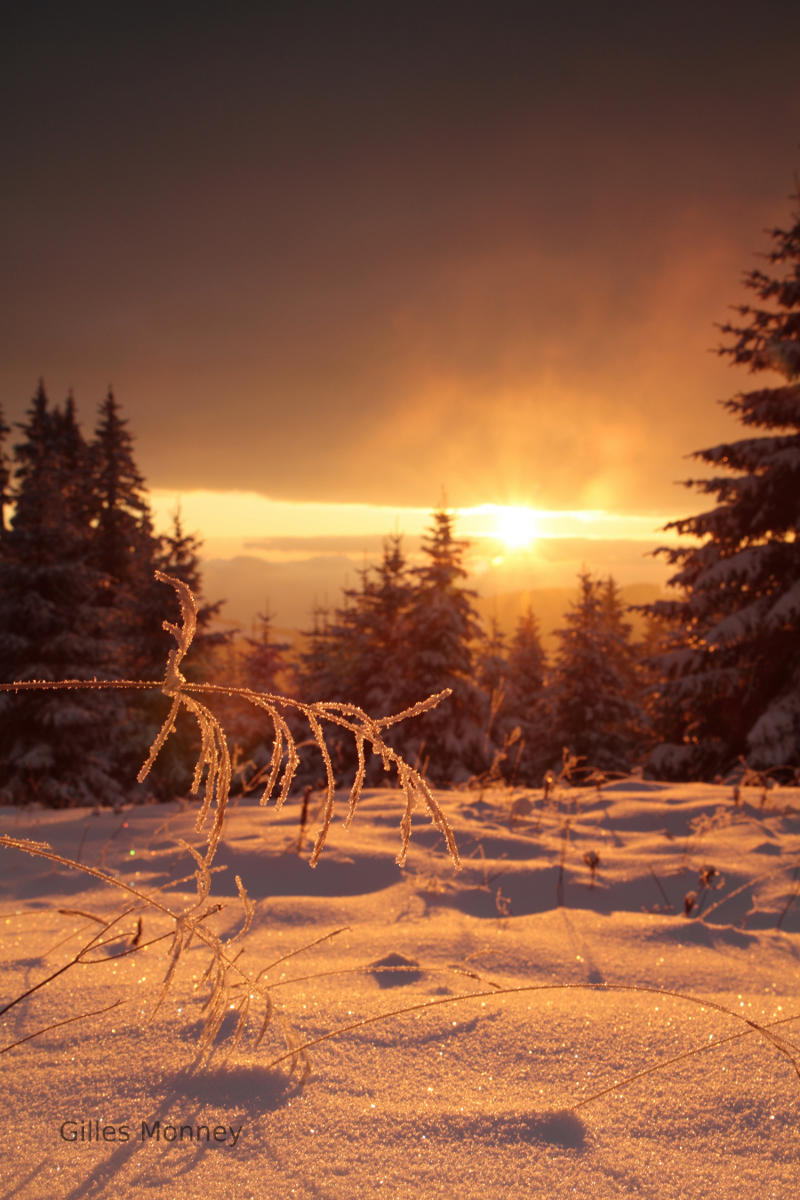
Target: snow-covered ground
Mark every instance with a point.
(512, 1072)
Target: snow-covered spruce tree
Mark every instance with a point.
(625, 654)
(56, 748)
(502, 733)
(384, 603)
(403, 634)
(261, 664)
(335, 652)
(353, 653)
(124, 547)
(733, 686)
(359, 654)
(126, 552)
(593, 695)
(665, 716)
(524, 701)
(442, 631)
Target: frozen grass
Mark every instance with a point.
(230, 987)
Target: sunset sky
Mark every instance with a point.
(369, 255)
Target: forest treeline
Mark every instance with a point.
(78, 600)
(714, 680)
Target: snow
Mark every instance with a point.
(474, 1091)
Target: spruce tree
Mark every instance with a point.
(666, 719)
(443, 630)
(444, 621)
(527, 663)
(380, 630)
(524, 703)
(734, 683)
(403, 634)
(491, 670)
(592, 693)
(359, 653)
(75, 459)
(123, 541)
(59, 748)
(622, 652)
(124, 548)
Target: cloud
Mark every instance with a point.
(373, 265)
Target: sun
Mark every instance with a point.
(517, 527)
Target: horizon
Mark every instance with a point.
(512, 555)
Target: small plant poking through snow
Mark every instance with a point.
(239, 1000)
(230, 988)
(213, 768)
(592, 860)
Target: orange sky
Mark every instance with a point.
(360, 255)
(235, 523)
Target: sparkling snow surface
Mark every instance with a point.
(492, 1095)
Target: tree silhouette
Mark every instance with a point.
(593, 688)
(52, 625)
(443, 630)
(735, 680)
(524, 701)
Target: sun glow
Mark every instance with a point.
(232, 524)
(517, 527)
